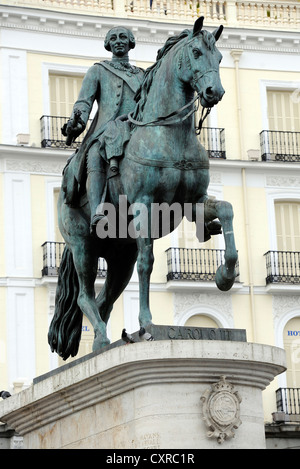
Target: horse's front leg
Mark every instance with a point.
(226, 274)
(145, 258)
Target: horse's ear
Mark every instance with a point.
(217, 32)
(198, 25)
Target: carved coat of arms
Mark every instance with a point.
(221, 410)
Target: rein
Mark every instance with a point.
(201, 120)
(173, 117)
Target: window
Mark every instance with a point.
(291, 341)
(64, 90)
(287, 215)
(283, 110)
(200, 320)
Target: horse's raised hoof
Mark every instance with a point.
(223, 281)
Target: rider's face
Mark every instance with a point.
(119, 42)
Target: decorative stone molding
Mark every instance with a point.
(283, 181)
(221, 409)
(218, 307)
(283, 304)
(32, 166)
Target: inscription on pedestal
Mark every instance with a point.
(196, 333)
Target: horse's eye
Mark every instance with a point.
(197, 53)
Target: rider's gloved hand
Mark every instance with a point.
(73, 128)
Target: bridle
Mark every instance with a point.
(175, 116)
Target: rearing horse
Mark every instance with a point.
(163, 163)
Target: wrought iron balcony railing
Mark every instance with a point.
(280, 146)
(213, 140)
(288, 400)
(195, 264)
(52, 254)
(282, 267)
(51, 135)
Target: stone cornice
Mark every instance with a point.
(14, 158)
(146, 31)
(32, 160)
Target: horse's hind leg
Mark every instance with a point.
(222, 210)
(120, 266)
(86, 266)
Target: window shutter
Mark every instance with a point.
(288, 226)
(64, 92)
(283, 111)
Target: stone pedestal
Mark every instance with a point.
(151, 395)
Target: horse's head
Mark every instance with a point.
(199, 64)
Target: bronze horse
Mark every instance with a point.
(163, 162)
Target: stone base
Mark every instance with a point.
(150, 395)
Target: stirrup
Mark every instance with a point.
(96, 218)
(114, 165)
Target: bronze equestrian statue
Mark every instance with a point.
(163, 162)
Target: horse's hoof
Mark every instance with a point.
(99, 343)
(145, 324)
(223, 282)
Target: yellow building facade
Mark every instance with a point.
(253, 140)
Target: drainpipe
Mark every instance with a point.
(236, 54)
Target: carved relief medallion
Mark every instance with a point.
(221, 410)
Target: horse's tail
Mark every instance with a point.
(65, 328)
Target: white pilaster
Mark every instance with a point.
(14, 95)
(18, 228)
(20, 334)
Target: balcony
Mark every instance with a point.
(194, 264)
(282, 267)
(288, 401)
(213, 140)
(51, 136)
(52, 254)
(280, 146)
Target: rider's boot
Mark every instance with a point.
(95, 188)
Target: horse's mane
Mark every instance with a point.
(142, 93)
